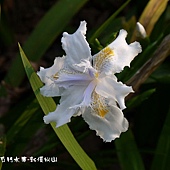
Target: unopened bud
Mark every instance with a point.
(140, 31)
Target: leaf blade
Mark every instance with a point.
(162, 153)
(151, 14)
(63, 132)
(128, 154)
(44, 35)
(107, 22)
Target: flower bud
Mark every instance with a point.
(140, 31)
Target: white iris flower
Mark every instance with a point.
(87, 84)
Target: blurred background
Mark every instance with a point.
(38, 27)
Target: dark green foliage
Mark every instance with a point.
(22, 130)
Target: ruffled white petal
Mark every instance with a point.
(69, 98)
(61, 115)
(46, 76)
(109, 87)
(108, 127)
(50, 90)
(90, 89)
(87, 68)
(121, 55)
(76, 46)
(87, 95)
(66, 80)
(124, 53)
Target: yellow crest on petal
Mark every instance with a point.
(102, 57)
(56, 76)
(99, 105)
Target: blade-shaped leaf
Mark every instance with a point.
(63, 132)
(162, 153)
(44, 34)
(107, 22)
(151, 14)
(22, 121)
(128, 154)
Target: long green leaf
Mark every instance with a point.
(50, 26)
(22, 121)
(107, 22)
(151, 14)
(63, 132)
(128, 154)
(162, 153)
